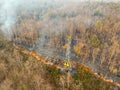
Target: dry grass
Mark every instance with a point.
(22, 72)
(95, 42)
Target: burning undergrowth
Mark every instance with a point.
(90, 27)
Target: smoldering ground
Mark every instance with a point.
(43, 25)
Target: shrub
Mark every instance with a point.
(94, 41)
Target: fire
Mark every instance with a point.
(32, 54)
(42, 60)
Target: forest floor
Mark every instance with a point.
(22, 71)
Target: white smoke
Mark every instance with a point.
(8, 10)
(8, 13)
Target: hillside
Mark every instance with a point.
(94, 29)
(59, 45)
(22, 72)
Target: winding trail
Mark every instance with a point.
(42, 59)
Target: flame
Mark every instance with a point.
(42, 60)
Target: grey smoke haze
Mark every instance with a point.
(65, 15)
(8, 10)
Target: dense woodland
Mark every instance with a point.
(94, 28)
(19, 71)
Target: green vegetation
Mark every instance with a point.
(98, 13)
(94, 41)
